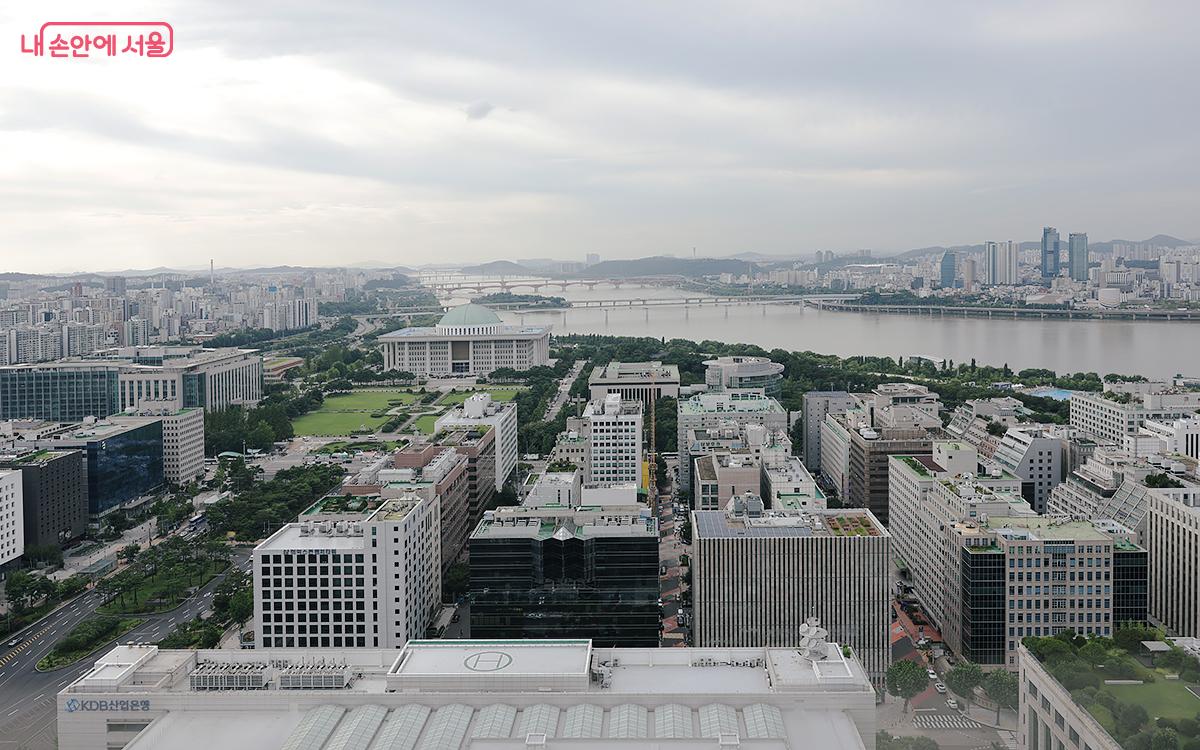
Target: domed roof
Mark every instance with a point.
(470, 315)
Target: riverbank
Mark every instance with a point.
(1042, 313)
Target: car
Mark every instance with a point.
(941, 688)
(15, 642)
(952, 703)
(931, 673)
(456, 618)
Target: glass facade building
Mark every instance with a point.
(59, 394)
(984, 604)
(1131, 600)
(124, 466)
(564, 586)
(1051, 253)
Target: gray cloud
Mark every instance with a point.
(478, 110)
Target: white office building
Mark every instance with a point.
(634, 381)
(1172, 539)
(478, 410)
(1036, 456)
(1171, 437)
(471, 695)
(1116, 413)
(374, 583)
(12, 516)
(744, 373)
(612, 432)
(816, 405)
(711, 410)
(757, 575)
(468, 340)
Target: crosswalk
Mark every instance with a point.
(943, 721)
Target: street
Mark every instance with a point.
(27, 697)
(671, 581)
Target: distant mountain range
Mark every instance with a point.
(664, 266)
(497, 268)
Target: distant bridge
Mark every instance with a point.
(1009, 312)
(536, 285)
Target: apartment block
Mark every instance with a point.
(360, 584)
(758, 574)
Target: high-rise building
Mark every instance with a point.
(611, 430)
(816, 405)
(12, 522)
(436, 473)
(1051, 253)
(115, 285)
(54, 495)
(362, 584)
(1172, 537)
(757, 575)
(1036, 457)
(948, 269)
(712, 410)
(123, 459)
(478, 444)
(183, 442)
(1077, 256)
(560, 572)
(468, 340)
(1111, 416)
(1005, 572)
(479, 409)
(968, 274)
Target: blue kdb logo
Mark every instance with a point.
(72, 706)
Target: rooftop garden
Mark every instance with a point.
(852, 526)
(915, 465)
(1152, 707)
(1162, 481)
(561, 466)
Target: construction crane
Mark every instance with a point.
(653, 479)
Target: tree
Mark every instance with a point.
(963, 678)
(905, 679)
(1130, 718)
(129, 552)
(1164, 738)
(1003, 687)
(457, 581)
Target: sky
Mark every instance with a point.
(312, 132)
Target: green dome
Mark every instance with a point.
(470, 315)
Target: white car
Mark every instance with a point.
(940, 687)
(931, 673)
(952, 703)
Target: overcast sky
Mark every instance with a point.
(318, 132)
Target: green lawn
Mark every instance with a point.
(425, 423)
(155, 587)
(349, 413)
(498, 394)
(361, 445)
(1167, 698)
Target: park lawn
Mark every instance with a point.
(1165, 698)
(326, 424)
(152, 588)
(367, 401)
(497, 394)
(425, 423)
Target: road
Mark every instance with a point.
(28, 710)
(671, 584)
(564, 390)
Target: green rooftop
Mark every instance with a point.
(1050, 529)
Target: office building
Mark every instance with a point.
(1077, 256)
(1113, 414)
(1048, 717)
(720, 477)
(948, 269)
(816, 405)
(1036, 456)
(757, 575)
(555, 572)
(183, 442)
(968, 274)
(1172, 536)
(558, 488)
(139, 378)
(123, 460)
(634, 381)
(992, 553)
(115, 285)
(867, 465)
(54, 495)
(1051, 253)
(1109, 484)
(478, 445)
(478, 410)
(789, 486)
(611, 433)
(1179, 437)
(12, 517)
(743, 373)
(1000, 263)
(439, 474)
(468, 340)
(711, 410)
(374, 583)
(470, 695)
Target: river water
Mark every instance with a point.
(1153, 349)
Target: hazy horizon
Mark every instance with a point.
(311, 135)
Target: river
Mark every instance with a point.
(1154, 349)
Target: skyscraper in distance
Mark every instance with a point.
(1000, 262)
(1077, 256)
(949, 267)
(1051, 252)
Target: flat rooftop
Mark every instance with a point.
(523, 522)
(719, 524)
(634, 372)
(470, 658)
(729, 402)
(1049, 528)
(306, 536)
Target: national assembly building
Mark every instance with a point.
(468, 340)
